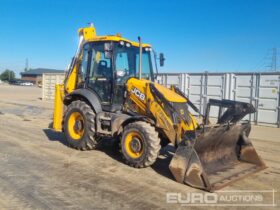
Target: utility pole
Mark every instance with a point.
(274, 59)
(26, 65)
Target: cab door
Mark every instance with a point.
(100, 73)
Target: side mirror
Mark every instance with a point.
(161, 59)
(156, 79)
(108, 48)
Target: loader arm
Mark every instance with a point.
(72, 76)
(168, 109)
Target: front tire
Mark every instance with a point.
(79, 126)
(140, 144)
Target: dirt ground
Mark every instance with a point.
(39, 170)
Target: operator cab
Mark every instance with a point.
(107, 65)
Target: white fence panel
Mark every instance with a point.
(48, 84)
(196, 90)
(268, 99)
(245, 90)
(214, 88)
(262, 90)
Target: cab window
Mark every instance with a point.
(100, 73)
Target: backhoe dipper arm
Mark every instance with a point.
(72, 74)
(70, 82)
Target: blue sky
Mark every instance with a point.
(213, 35)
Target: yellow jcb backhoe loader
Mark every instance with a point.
(109, 91)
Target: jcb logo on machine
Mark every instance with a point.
(138, 93)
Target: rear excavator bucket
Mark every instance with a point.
(218, 155)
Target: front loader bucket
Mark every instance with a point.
(220, 155)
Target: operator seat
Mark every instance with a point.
(103, 81)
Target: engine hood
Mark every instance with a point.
(169, 94)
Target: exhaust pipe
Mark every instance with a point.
(140, 57)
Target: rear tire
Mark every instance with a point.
(140, 144)
(79, 126)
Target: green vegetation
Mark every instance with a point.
(7, 75)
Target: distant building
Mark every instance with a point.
(35, 75)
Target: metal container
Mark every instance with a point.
(262, 89)
(49, 81)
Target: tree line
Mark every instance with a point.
(8, 75)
